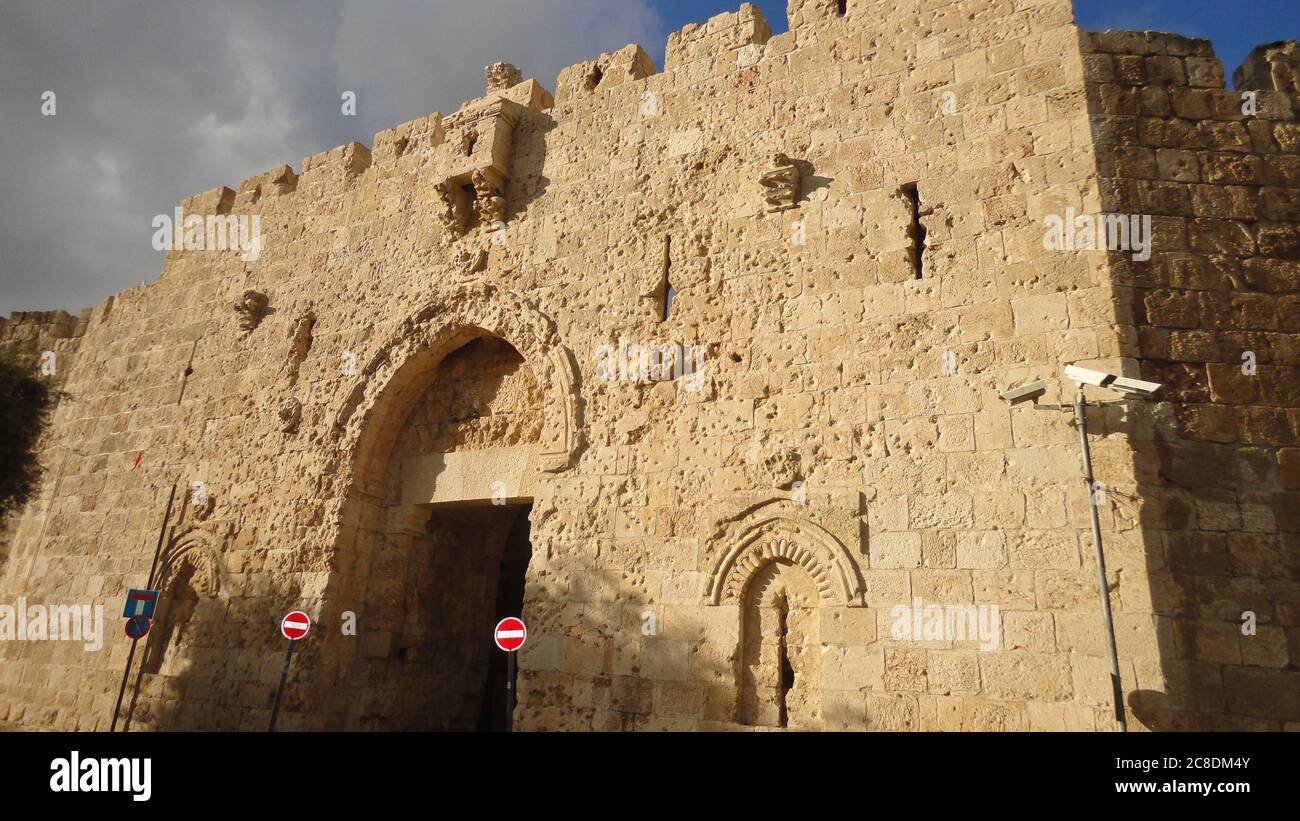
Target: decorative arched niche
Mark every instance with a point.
(768, 536)
(188, 573)
(781, 571)
(194, 549)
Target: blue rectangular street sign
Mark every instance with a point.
(140, 603)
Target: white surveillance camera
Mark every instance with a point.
(1089, 377)
(1135, 387)
(1025, 393)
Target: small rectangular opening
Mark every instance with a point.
(842, 7)
(467, 197)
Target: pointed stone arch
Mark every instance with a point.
(398, 371)
(769, 537)
(414, 524)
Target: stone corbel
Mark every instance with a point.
(488, 202)
(781, 184)
(252, 308)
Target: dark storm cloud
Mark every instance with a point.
(160, 100)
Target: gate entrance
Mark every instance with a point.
(509, 602)
(441, 549)
(472, 575)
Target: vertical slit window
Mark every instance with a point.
(667, 293)
(783, 659)
(915, 230)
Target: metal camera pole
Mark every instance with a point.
(1081, 422)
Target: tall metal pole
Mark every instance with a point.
(510, 692)
(1081, 422)
(126, 673)
(121, 691)
(162, 533)
(279, 691)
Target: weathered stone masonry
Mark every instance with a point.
(419, 337)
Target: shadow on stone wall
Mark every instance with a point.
(1215, 515)
(600, 683)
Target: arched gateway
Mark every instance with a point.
(448, 429)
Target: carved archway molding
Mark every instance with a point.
(778, 538)
(402, 367)
(192, 547)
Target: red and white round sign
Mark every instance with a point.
(295, 625)
(510, 634)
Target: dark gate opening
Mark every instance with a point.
(509, 602)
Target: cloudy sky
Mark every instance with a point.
(159, 100)
(162, 99)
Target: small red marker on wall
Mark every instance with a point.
(137, 460)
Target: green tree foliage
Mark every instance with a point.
(26, 401)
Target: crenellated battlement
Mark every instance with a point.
(606, 71)
(274, 183)
(46, 340)
(744, 30)
(21, 326)
(478, 138)
(344, 166)
(213, 201)
(1272, 67)
(741, 35)
(1130, 64)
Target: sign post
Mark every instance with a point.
(293, 627)
(138, 612)
(162, 531)
(509, 635)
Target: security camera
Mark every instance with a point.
(1025, 393)
(1088, 377)
(1135, 387)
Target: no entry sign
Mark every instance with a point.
(295, 625)
(510, 634)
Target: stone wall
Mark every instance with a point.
(48, 341)
(1213, 315)
(34, 331)
(856, 314)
